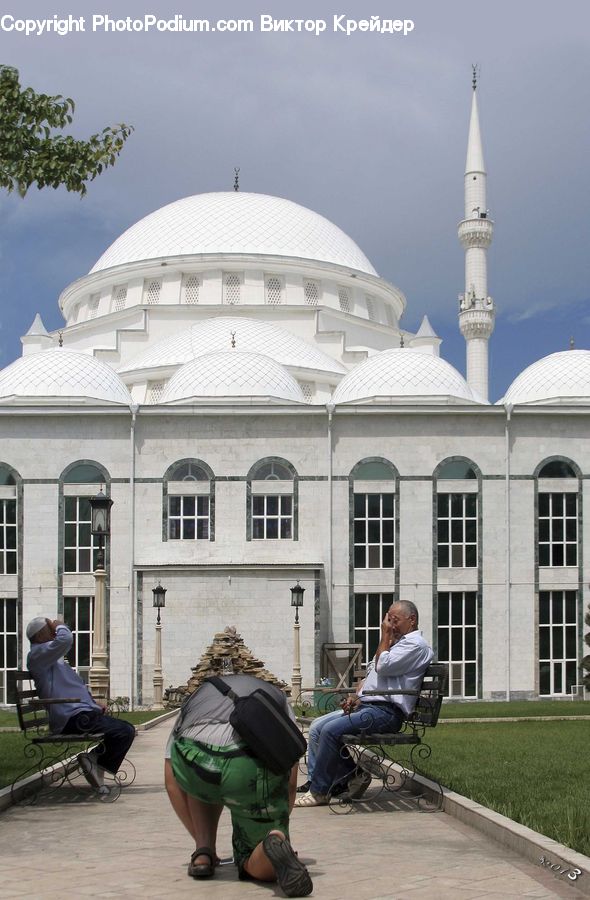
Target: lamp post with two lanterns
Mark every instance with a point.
(100, 528)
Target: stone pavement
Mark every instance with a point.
(137, 848)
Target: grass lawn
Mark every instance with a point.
(12, 759)
(482, 709)
(533, 772)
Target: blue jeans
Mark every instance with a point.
(313, 738)
(331, 761)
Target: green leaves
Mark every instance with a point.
(32, 153)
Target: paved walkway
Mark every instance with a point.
(136, 848)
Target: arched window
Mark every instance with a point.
(557, 468)
(10, 564)
(557, 513)
(456, 514)
(188, 501)
(271, 501)
(457, 510)
(374, 514)
(79, 482)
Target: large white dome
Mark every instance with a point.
(559, 378)
(234, 222)
(401, 375)
(231, 374)
(252, 335)
(61, 375)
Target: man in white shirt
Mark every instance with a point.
(401, 659)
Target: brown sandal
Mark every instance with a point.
(202, 870)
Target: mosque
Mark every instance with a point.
(233, 374)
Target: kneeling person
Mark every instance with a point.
(210, 767)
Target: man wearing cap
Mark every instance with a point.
(79, 713)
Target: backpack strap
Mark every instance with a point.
(221, 686)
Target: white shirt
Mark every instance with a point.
(400, 668)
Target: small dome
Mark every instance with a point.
(402, 374)
(250, 335)
(234, 222)
(558, 378)
(61, 375)
(232, 374)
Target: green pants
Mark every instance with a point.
(257, 799)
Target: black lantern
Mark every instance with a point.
(159, 603)
(297, 593)
(100, 522)
(101, 514)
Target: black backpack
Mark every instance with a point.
(264, 727)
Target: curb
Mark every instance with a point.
(145, 726)
(537, 848)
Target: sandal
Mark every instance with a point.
(201, 870)
(311, 799)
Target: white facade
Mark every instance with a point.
(300, 434)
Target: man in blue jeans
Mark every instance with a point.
(79, 713)
(401, 659)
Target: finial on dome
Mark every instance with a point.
(475, 72)
(60, 340)
(401, 342)
(572, 343)
(233, 339)
(236, 178)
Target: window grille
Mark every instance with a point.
(231, 288)
(152, 292)
(191, 289)
(369, 612)
(273, 290)
(311, 290)
(155, 391)
(120, 297)
(457, 531)
(80, 553)
(188, 518)
(8, 647)
(457, 635)
(307, 390)
(93, 305)
(8, 537)
(372, 309)
(344, 299)
(558, 529)
(78, 616)
(558, 641)
(272, 517)
(374, 529)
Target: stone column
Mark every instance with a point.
(99, 673)
(158, 676)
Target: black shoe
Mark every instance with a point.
(303, 788)
(292, 876)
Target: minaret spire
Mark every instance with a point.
(476, 308)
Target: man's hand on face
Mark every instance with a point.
(387, 630)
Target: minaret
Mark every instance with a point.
(476, 308)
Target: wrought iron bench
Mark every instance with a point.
(53, 758)
(394, 760)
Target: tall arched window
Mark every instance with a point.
(271, 501)
(78, 483)
(189, 501)
(457, 613)
(10, 553)
(558, 527)
(373, 544)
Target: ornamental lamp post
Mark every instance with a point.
(159, 603)
(100, 528)
(297, 593)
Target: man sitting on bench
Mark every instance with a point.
(401, 660)
(79, 713)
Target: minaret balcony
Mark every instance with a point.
(476, 232)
